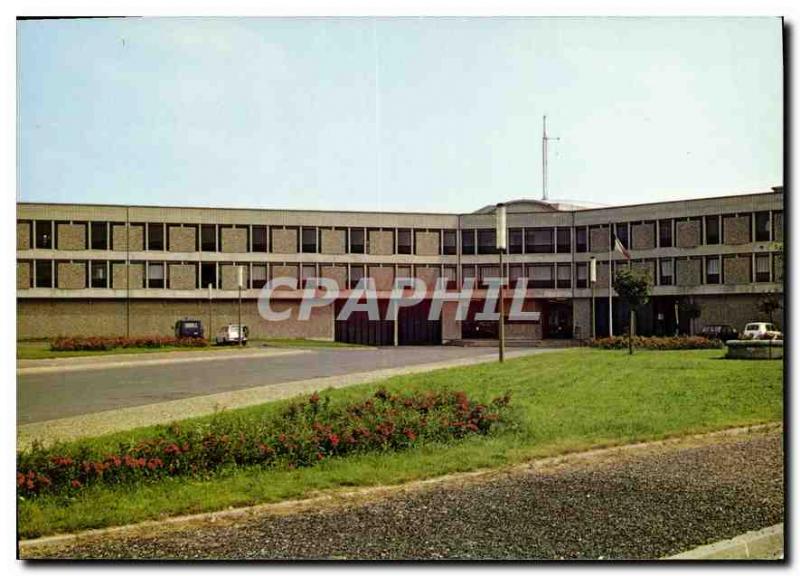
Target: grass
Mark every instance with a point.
(37, 350)
(561, 402)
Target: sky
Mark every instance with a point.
(396, 114)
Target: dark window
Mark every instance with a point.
(712, 229)
(539, 240)
(665, 272)
(356, 240)
(563, 240)
(762, 267)
(404, 241)
(99, 275)
(99, 233)
(712, 270)
(208, 238)
(563, 276)
(449, 242)
(581, 275)
(515, 273)
(762, 226)
(208, 274)
(665, 233)
(155, 236)
(259, 275)
(515, 240)
(259, 238)
(44, 234)
(356, 274)
(451, 277)
(468, 241)
(487, 273)
(541, 275)
(621, 231)
(581, 243)
(310, 240)
(487, 241)
(155, 275)
(44, 273)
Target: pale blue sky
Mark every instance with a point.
(417, 114)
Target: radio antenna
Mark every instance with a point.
(545, 139)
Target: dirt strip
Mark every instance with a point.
(643, 501)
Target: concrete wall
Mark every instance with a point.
(182, 239)
(183, 276)
(23, 235)
(71, 275)
(643, 236)
(71, 237)
(688, 272)
(335, 273)
(687, 234)
(736, 229)
(233, 240)
(281, 271)
(135, 238)
(734, 309)
(451, 328)
(381, 242)
(23, 275)
(582, 317)
(428, 275)
(777, 226)
(737, 269)
(230, 277)
(427, 244)
(333, 241)
(598, 239)
(384, 277)
(284, 241)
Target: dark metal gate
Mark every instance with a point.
(413, 328)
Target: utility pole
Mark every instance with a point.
(500, 233)
(241, 282)
(545, 139)
(210, 331)
(592, 282)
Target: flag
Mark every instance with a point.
(620, 248)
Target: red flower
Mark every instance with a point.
(75, 484)
(154, 463)
(334, 440)
(20, 479)
(314, 398)
(409, 433)
(320, 456)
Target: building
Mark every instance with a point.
(135, 270)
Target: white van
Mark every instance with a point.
(230, 335)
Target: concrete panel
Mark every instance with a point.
(427, 244)
(71, 275)
(737, 270)
(643, 236)
(602, 275)
(182, 239)
(333, 241)
(451, 328)
(687, 234)
(777, 226)
(23, 275)
(136, 275)
(598, 239)
(688, 272)
(335, 273)
(777, 271)
(182, 276)
(119, 237)
(381, 242)
(234, 240)
(384, 277)
(284, 241)
(582, 318)
(736, 229)
(286, 271)
(428, 275)
(71, 237)
(23, 235)
(230, 277)
(136, 238)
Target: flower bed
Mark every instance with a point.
(304, 433)
(656, 343)
(109, 343)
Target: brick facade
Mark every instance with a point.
(427, 244)
(643, 236)
(23, 235)
(182, 239)
(381, 242)
(71, 237)
(284, 241)
(736, 229)
(23, 275)
(737, 269)
(687, 234)
(234, 240)
(183, 276)
(688, 272)
(71, 275)
(333, 241)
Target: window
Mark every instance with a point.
(621, 231)
(541, 275)
(515, 240)
(539, 240)
(449, 239)
(259, 238)
(44, 273)
(309, 236)
(357, 241)
(451, 277)
(487, 241)
(404, 241)
(563, 276)
(581, 275)
(208, 238)
(712, 270)
(515, 273)
(468, 241)
(404, 272)
(356, 274)
(259, 275)
(99, 236)
(208, 274)
(155, 237)
(712, 229)
(563, 240)
(762, 226)
(581, 243)
(665, 233)
(155, 275)
(44, 234)
(488, 272)
(99, 275)
(665, 270)
(308, 276)
(762, 267)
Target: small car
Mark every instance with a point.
(230, 335)
(722, 332)
(187, 328)
(761, 331)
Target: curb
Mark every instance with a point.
(764, 544)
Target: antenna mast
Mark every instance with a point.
(545, 138)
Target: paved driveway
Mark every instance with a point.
(49, 396)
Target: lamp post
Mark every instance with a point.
(500, 234)
(240, 282)
(592, 282)
(210, 330)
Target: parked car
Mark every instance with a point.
(188, 329)
(230, 335)
(761, 331)
(723, 332)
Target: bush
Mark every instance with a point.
(109, 343)
(657, 343)
(304, 433)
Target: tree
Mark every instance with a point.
(633, 287)
(768, 305)
(693, 311)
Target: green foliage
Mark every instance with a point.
(633, 286)
(657, 343)
(690, 309)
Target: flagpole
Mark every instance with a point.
(610, 301)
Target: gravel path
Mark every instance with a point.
(642, 504)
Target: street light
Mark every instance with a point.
(592, 282)
(240, 282)
(500, 234)
(210, 297)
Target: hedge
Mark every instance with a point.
(109, 343)
(657, 343)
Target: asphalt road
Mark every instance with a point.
(48, 396)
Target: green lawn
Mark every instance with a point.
(561, 402)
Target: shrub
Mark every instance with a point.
(110, 343)
(657, 343)
(304, 433)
